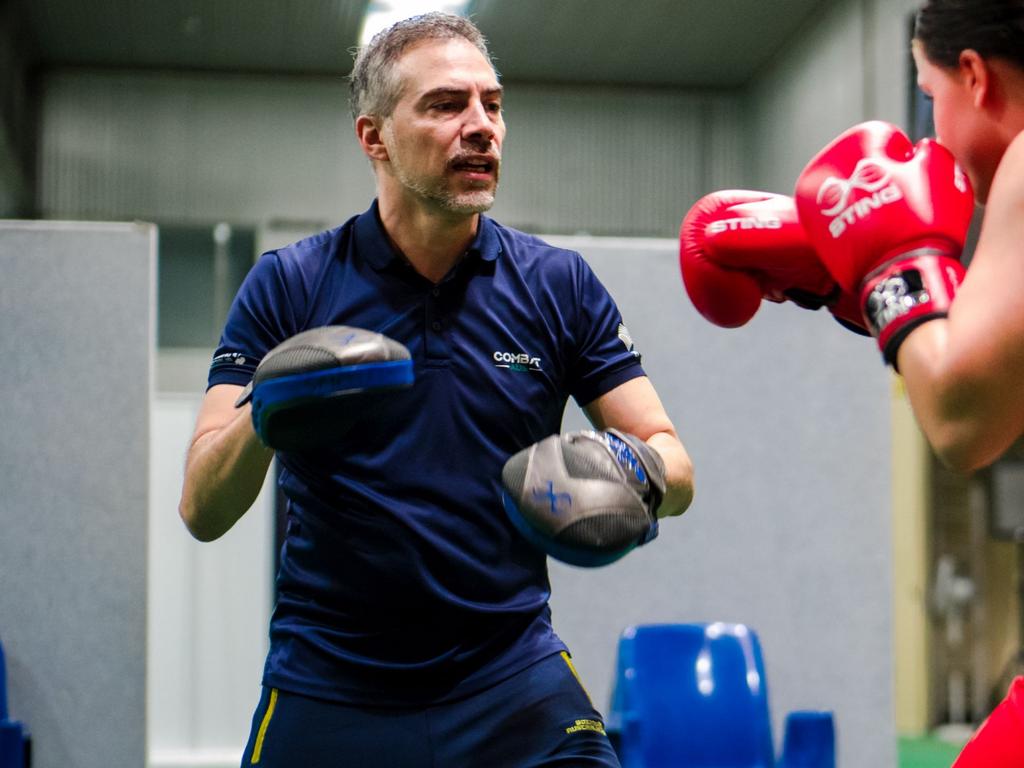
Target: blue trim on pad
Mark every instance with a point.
(570, 555)
(272, 394)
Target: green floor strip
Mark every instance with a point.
(926, 753)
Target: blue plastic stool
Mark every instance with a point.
(696, 696)
(13, 751)
(809, 741)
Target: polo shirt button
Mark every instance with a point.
(436, 292)
(436, 325)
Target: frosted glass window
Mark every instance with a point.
(200, 270)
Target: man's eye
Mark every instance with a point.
(494, 107)
(446, 106)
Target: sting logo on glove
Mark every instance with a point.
(868, 177)
(888, 219)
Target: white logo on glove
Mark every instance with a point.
(893, 298)
(868, 176)
(959, 179)
(744, 222)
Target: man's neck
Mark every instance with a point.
(432, 241)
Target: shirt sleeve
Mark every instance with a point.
(605, 355)
(261, 316)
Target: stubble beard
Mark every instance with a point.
(438, 191)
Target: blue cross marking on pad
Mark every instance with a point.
(560, 502)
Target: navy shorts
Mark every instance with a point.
(541, 716)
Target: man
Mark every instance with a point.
(412, 625)
(881, 221)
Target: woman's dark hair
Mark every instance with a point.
(990, 27)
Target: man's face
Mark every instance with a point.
(959, 125)
(444, 136)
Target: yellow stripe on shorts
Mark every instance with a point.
(257, 750)
(568, 662)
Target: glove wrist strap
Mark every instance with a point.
(912, 289)
(653, 466)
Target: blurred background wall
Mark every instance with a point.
(205, 146)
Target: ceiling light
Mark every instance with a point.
(381, 14)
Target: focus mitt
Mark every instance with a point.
(586, 498)
(310, 388)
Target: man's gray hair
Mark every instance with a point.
(374, 87)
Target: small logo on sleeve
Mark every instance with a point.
(231, 360)
(626, 339)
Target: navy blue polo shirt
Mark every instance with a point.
(402, 581)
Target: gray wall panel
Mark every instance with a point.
(811, 94)
(614, 162)
(198, 148)
(848, 65)
(787, 421)
(76, 303)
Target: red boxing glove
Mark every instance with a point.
(998, 742)
(889, 220)
(737, 247)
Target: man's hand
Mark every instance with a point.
(308, 389)
(586, 498)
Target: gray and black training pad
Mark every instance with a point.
(581, 497)
(311, 388)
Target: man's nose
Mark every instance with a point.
(479, 126)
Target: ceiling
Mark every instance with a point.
(689, 43)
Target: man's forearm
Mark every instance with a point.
(224, 472)
(678, 474)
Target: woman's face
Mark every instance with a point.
(961, 125)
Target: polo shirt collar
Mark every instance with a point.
(373, 243)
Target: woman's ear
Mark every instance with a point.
(976, 75)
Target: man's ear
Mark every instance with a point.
(370, 132)
(976, 75)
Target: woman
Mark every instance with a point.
(965, 373)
